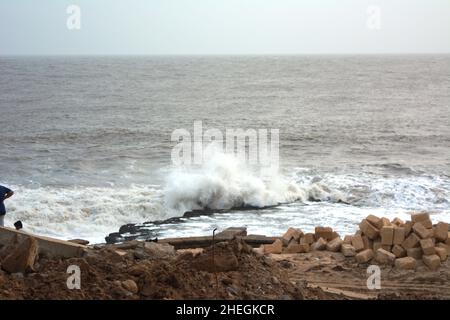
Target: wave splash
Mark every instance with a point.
(223, 182)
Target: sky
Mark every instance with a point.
(146, 27)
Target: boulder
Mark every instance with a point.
(22, 258)
(130, 285)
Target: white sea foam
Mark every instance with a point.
(224, 183)
(89, 213)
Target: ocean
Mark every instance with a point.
(86, 141)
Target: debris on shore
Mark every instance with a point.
(412, 256)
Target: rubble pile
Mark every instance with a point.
(378, 240)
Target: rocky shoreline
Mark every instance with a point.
(412, 256)
(143, 231)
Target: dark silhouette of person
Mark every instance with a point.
(5, 193)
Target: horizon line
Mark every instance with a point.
(218, 54)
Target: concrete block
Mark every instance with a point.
(334, 245)
(292, 234)
(421, 231)
(364, 256)
(49, 246)
(399, 235)
(274, 248)
(406, 263)
(411, 241)
(319, 245)
(441, 253)
(323, 232)
(427, 223)
(233, 232)
(369, 230)
(297, 248)
(22, 257)
(444, 246)
(384, 222)
(416, 217)
(348, 250)
(374, 220)
(348, 239)
(441, 231)
(357, 243)
(387, 235)
(307, 238)
(398, 251)
(397, 222)
(368, 244)
(415, 253)
(427, 246)
(335, 235)
(408, 228)
(432, 261)
(385, 257)
(376, 245)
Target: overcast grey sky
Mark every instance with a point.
(225, 27)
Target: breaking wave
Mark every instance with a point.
(223, 182)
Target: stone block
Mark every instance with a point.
(334, 245)
(274, 248)
(415, 253)
(441, 253)
(387, 235)
(406, 263)
(369, 230)
(398, 251)
(427, 246)
(385, 257)
(323, 232)
(364, 256)
(421, 231)
(348, 250)
(432, 261)
(319, 245)
(357, 243)
(411, 241)
(399, 235)
(292, 234)
(441, 231)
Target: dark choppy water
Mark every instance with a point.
(86, 140)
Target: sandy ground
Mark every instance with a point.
(343, 278)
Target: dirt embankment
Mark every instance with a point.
(294, 266)
(139, 270)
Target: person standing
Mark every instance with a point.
(5, 193)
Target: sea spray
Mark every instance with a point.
(225, 182)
